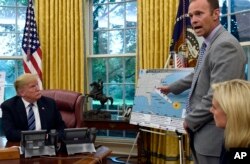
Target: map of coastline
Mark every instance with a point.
(152, 108)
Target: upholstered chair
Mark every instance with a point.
(70, 104)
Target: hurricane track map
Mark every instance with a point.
(154, 109)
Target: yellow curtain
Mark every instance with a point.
(60, 28)
(156, 20)
(155, 26)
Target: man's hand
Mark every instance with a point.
(164, 89)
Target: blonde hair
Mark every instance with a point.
(233, 97)
(23, 80)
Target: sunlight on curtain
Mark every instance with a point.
(60, 25)
(155, 25)
(156, 20)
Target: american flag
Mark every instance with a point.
(32, 54)
(179, 61)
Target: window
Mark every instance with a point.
(246, 48)
(112, 51)
(12, 20)
(235, 16)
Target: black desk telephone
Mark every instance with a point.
(39, 142)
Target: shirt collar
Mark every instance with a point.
(211, 35)
(26, 103)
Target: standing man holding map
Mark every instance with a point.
(221, 58)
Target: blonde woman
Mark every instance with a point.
(231, 111)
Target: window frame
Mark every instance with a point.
(9, 87)
(89, 56)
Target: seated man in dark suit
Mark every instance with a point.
(29, 110)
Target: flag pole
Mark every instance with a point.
(168, 61)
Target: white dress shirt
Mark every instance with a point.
(36, 113)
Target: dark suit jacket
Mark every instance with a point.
(14, 119)
(224, 156)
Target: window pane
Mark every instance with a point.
(99, 1)
(239, 26)
(22, 2)
(131, 14)
(130, 94)
(115, 70)
(130, 70)
(233, 25)
(116, 91)
(100, 42)
(8, 44)
(116, 15)
(116, 42)
(100, 15)
(130, 43)
(242, 23)
(19, 44)
(12, 68)
(223, 7)
(9, 91)
(239, 5)
(223, 21)
(8, 3)
(21, 19)
(98, 69)
(109, 95)
(7, 19)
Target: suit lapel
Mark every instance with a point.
(21, 111)
(42, 113)
(220, 31)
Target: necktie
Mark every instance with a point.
(196, 74)
(31, 118)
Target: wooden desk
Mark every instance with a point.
(116, 124)
(94, 158)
